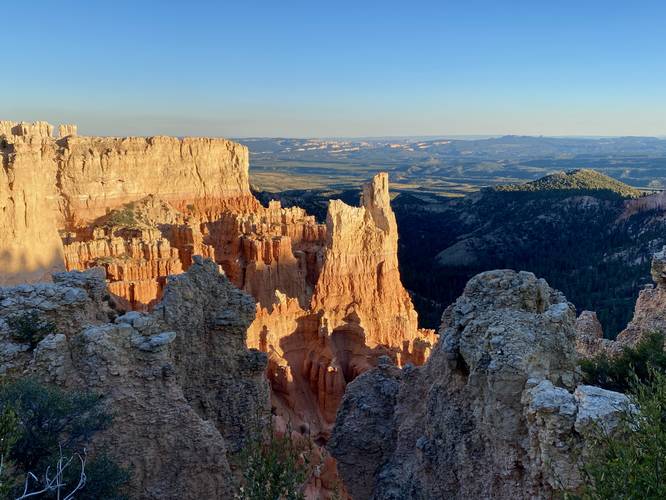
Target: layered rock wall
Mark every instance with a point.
(269, 249)
(95, 174)
(47, 184)
(30, 248)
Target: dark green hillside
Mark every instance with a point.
(564, 227)
(583, 179)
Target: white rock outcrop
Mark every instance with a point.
(496, 411)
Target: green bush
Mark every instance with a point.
(50, 417)
(104, 479)
(30, 328)
(617, 373)
(9, 434)
(276, 468)
(631, 462)
(50, 422)
(123, 217)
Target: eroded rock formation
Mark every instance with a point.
(650, 310)
(359, 287)
(30, 248)
(185, 389)
(329, 300)
(49, 183)
(496, 411)
(649, 316)
(98, 173)
(359, 311)
(590, 341)
(71, 183)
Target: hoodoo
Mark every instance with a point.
(359, 312)
(329, 299)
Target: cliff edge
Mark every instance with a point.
(496, 411)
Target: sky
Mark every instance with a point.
(326, 69)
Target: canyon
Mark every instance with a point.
(207, 318)
(329, 299)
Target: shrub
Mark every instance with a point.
(123, 217)
(50, 417)
(276, 468)
(639, 362)
(631, 462)
(52, 423)
(104, 479)
(30, 328)
(9, 434)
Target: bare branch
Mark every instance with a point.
(56, 483)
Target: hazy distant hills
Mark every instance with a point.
(451, 166)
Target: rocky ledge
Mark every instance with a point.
(184, 389)
(496, 411)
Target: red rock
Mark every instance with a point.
(330, 301)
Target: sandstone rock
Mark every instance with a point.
(359, 311)
(329, 300)
(37, 130)
(183, 386)
(135, 253)
(490, 415)
(590, 341)
(597, 406)
(650, 310)
(208, 174)
(48, 184)
(269, 249)
(359, 285)
(222, 380)
(30, 248)
(66, 130)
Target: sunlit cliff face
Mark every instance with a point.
(329, 297)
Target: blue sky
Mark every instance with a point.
(339, 68)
